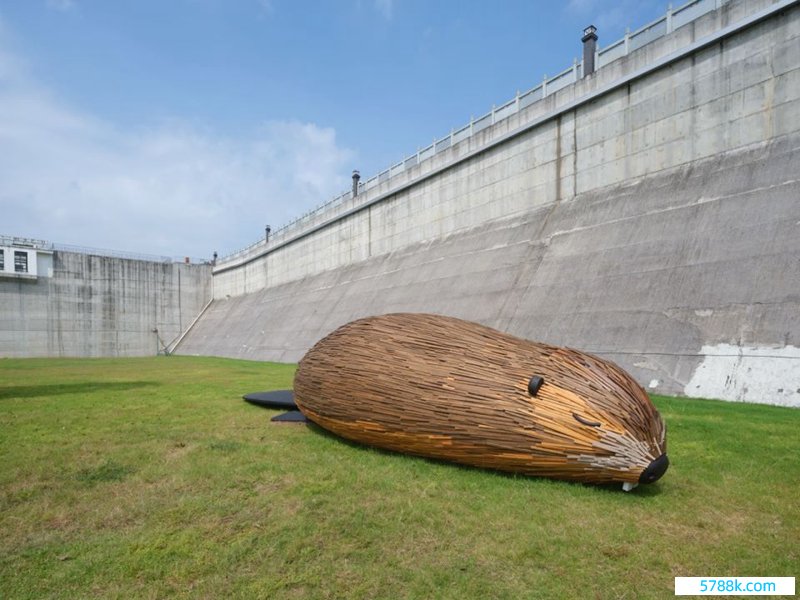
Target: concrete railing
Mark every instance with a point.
(654, 30)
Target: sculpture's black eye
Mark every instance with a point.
(534, 384)
(580, 419)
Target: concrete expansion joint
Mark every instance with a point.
(696, 202)
(707, 311)
(763, 188)
(739, 351)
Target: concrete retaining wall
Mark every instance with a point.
(88, 305)
(609, 128)
(647, 214)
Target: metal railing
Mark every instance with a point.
(128, 255)
(22, 242)
(110, 253)
(654, 30)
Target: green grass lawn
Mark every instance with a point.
(151, 477)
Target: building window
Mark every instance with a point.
(20, 262)
(2, 260)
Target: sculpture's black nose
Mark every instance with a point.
(655, 470)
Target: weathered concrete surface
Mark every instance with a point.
(100, 306)
(656, 225)
(747, 373)
(649, 274)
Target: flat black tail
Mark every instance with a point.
(275, 399)
(293, 416)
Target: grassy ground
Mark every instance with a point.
(151, 478)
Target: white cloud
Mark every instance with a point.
(267, 7)
(170, 188)
(61, 5)
(385, 8)
(581, 6)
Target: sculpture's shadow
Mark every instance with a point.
(78, 388)
(641, 491)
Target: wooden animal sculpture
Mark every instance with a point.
(449, 389)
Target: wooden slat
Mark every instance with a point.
(449, 389)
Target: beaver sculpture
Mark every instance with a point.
(453, 390)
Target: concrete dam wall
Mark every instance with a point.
(648, 213)
(80, 304)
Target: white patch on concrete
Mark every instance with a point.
(748, 374)
(646, 365)
(653, 384)
(706, 312)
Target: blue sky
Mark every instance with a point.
(181, 127)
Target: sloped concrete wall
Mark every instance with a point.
(100, 306)
(691, 271)
(656, 224)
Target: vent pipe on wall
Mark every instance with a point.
(356, 177)
(589, 40)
